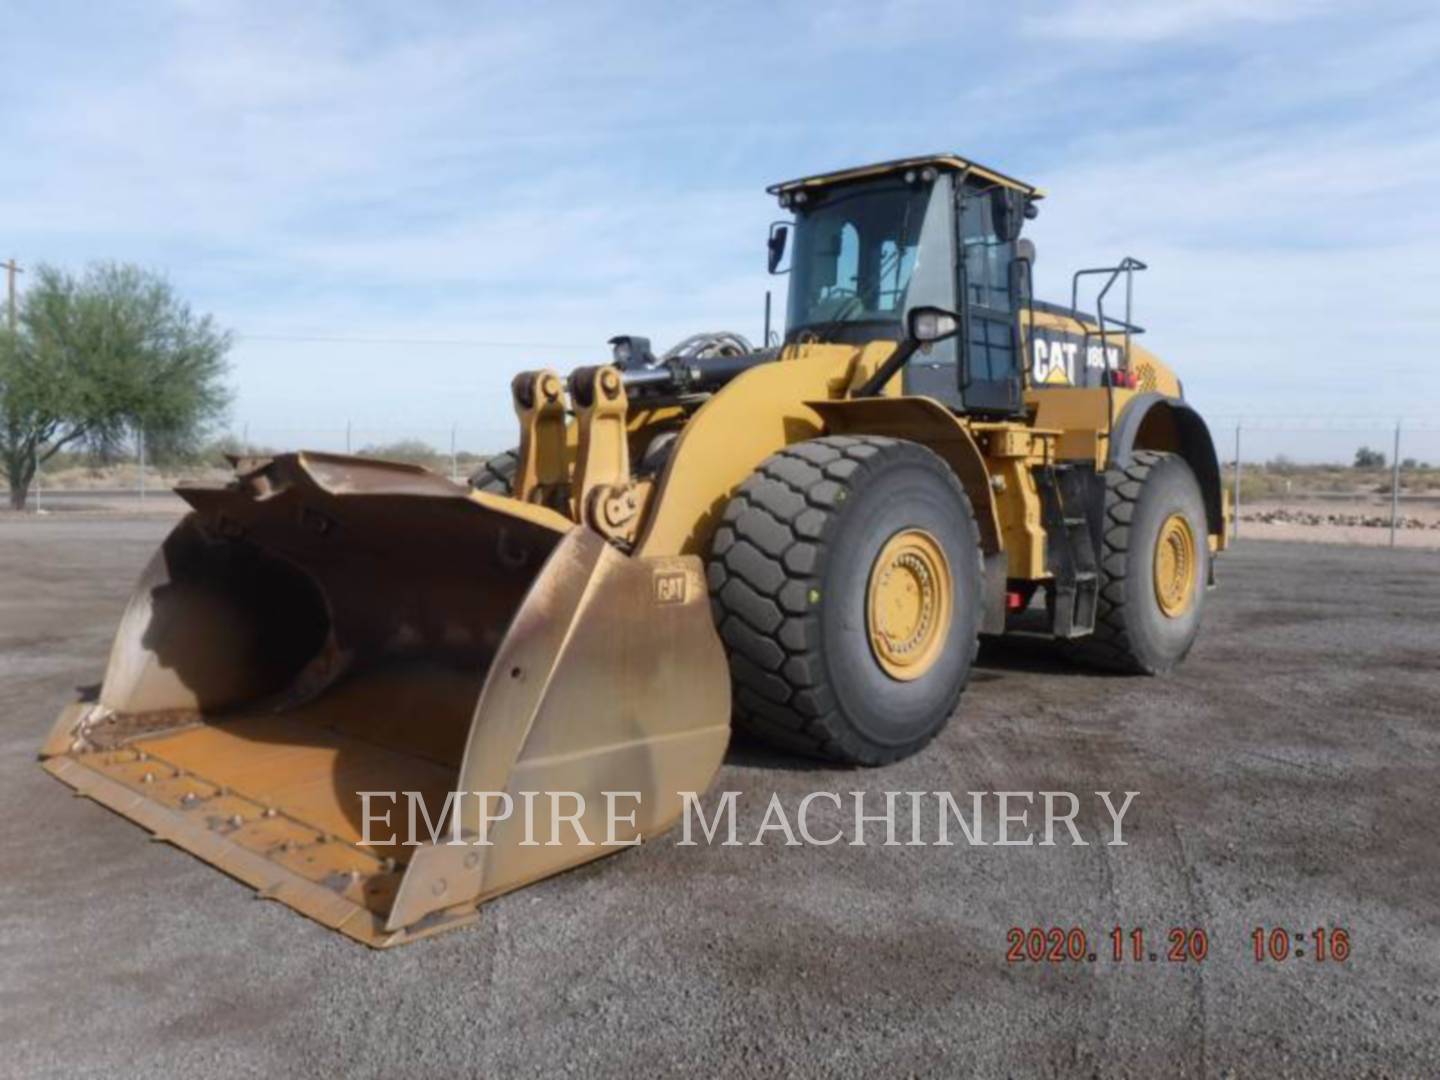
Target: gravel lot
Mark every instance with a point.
(1286, 777)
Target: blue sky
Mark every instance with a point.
(430, 177)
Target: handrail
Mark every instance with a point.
(1128, 265)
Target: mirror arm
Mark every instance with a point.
(902, 354)
(775, 245)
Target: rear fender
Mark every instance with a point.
(1157, 422)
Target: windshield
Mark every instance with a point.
(854, 255)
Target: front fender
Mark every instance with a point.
(928, 422)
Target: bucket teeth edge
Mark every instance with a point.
(270, 882)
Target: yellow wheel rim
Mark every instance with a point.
(1175, 561)
(907, 611)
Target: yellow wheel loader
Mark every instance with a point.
(805, 540)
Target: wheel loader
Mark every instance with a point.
(804, 540)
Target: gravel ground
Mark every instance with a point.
(1285, 777)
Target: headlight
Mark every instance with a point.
(930, 324)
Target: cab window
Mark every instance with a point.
(855, 252)
(987, 288)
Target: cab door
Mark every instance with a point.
(990, 375)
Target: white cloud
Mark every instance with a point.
(1148, 21)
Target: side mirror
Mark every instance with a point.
(779, 234)
(928, 325)
(1010, 211)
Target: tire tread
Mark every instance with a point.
(1109, 646)
(768, 554)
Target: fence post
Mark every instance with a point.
(1235, 509)
(140, 441)
(1395, 485)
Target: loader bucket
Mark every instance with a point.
(326, 626)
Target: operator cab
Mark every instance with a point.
(872, 243)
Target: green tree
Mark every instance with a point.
(1365, 458)
(98, 357)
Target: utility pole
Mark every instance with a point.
(11, 269)
(1395, 486)
(1235, 502)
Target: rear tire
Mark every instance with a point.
(845, 577)
(1153, 512)
(497, 475)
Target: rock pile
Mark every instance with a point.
(1310, 517)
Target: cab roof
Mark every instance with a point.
(943, 162)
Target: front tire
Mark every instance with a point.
(1154, 565)
(497, 474)
(845, 577)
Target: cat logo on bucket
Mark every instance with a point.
(670, 587)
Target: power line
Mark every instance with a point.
(445, 342)
(1319, 424)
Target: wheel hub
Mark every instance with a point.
(1175, 559)
(909, 604)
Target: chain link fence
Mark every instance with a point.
(1335, 478)
(135, 481)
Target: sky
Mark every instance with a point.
(397, 206)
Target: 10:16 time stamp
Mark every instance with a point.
(1057, 944)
